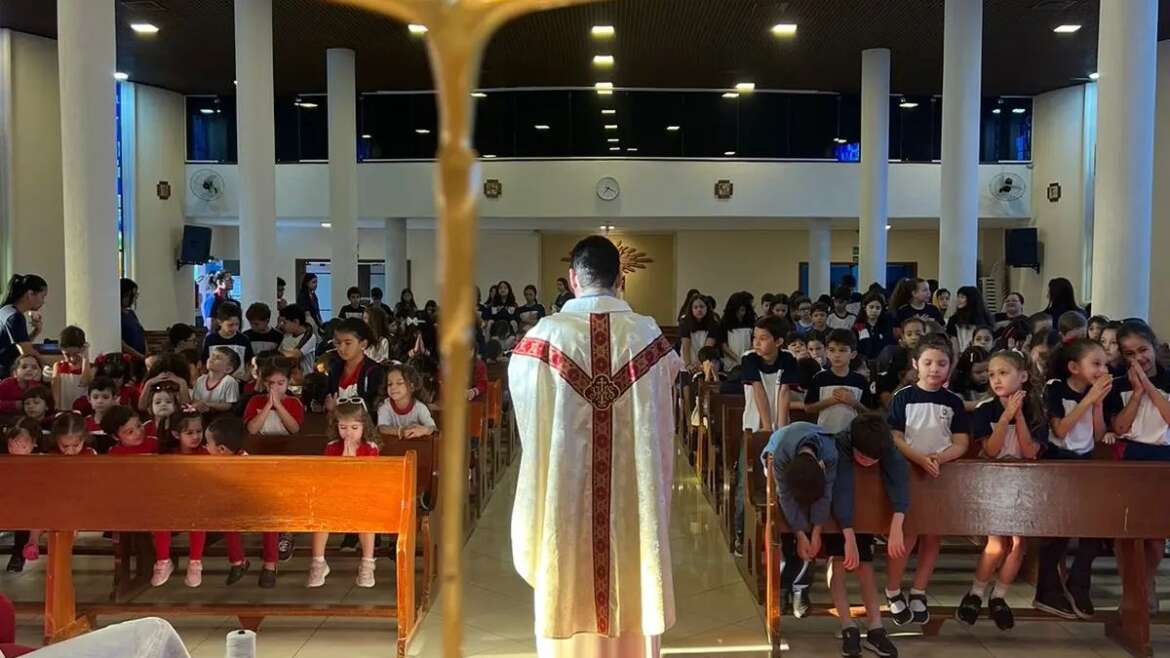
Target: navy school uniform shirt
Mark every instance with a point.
(872, 339)
(928, 312)
(837, 417)
(264, 342)
(772, 375)
(984, 419)
(895, 472)
(928, 419)
(1148, 426)
(784, 445)
(1059, 400)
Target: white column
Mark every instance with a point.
(820, 240)
(341, 93)
(85, 63)
(395, 259)
(875, 166)
(1126, 58)
(256, 141)
(958, 235)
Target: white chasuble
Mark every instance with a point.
(592, 391)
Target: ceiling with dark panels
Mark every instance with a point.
(659, 43)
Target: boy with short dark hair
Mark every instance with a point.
(376, 300)
(354, 308)
(794, 344)
(181, 337)
(819, 313)
(103, 396)
(766, 305)
(261, 334)
(1072, 325)
(841, 318)
(912, 330)
(228, 336)
(815, 343)
(837, 393)
(801, 314)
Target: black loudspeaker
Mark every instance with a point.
(1021, 247)
(196, 247)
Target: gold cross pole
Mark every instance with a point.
(457, 32)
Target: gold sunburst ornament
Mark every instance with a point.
(632, 258)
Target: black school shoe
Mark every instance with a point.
(267, 578)
(16, 564)
(850, 642)
(1055, 603)
(349, 542)
(236, 572)
(878, 641)
(1002, 614)
(904, 616)
(1082, 605)
(285, 545)
(969, 607)
(920, 616)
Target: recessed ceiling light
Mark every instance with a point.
(907, 105)
(784, 29)
(478, 94)
(422, 131)
(1019, 110)
(1066, 29)
(731, 94)
(840, 140)
(1094, 75)
(603, 31)
(367, 136)
(745, 87)
(632, 149)
(603, 85)
(144, 28)
(417, 29)
(615, 148)
(489, 156)
(729, 153)
(207, 110)
(308, 105)
(121, 76)
(671, 129)
(609, 111)
(603, 60)
(996, 111)
(541, 126)
(326, 225)
(611, 126)
(611, 140)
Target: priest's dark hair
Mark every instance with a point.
(596, 261)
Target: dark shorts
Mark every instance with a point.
(1142, 452)
(834, 546)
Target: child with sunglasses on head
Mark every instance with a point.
(354, 435)
(400, 415)
(274, 411)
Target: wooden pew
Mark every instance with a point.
(426, 451)
(249, 494)
(495, 416)
(732, 435)
(1031, 499)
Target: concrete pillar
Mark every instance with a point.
(1126, 60)
(256, 141)
(959, 217)
(395, 259)
(85, 61)
(341, 92)
(820, 240)
(875, 166)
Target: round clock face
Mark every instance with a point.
(608, 188)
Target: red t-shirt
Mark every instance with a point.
(11, 395)
(149, 446)
(292, 405)
(92, 426)
(336, 448)
(349, 379)
(127, 397)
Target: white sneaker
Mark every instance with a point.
(318, 569)
(194, 574)
(365, 576)
(162, 573)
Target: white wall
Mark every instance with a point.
(675, 189)
(1058, 156)
(1160, 237)
(165, 293)
(510, 255)
(30, 157)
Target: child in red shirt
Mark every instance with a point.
(26, 373)
(38, 405)
(353, 435)
(275, 412)
(123, 424)
(164, 405)
(22, 440)
(69, 435)
(185, 438)
(100, 399)
(225, 436)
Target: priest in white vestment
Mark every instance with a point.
(592, 391)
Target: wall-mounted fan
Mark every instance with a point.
(206, 185)
(1007, 187)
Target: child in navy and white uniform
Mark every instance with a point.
(930, 427)
(837, 394)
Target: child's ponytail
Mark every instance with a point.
(1066, 353)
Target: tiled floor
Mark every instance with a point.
(716, 615)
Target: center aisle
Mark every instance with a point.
(715, 612)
